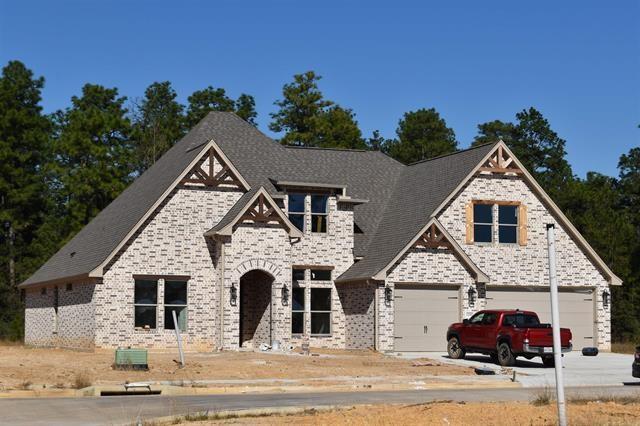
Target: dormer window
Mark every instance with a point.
(296, 210)
(319, 213)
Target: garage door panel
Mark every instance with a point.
(576, 309)
(422, 316)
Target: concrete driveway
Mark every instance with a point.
(606, 369)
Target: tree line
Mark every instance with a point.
(58, 170)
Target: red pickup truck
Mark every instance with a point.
(505, 335)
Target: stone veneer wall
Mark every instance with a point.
(171, 242)
(515, 265)
(74, 326)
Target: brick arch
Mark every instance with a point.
(261, 264)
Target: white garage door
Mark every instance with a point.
(422, 316)
(576, 309)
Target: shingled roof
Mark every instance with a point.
(401, 198)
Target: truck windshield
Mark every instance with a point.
(521, 320)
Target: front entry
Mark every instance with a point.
(255, 309)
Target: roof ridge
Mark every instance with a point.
(327, 148)
(471, 148)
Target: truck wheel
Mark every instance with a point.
(548, 361)
(455, 349)
(505, 356)
(494, 358)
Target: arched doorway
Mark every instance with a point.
(256, 322)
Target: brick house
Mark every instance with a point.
(252, 242)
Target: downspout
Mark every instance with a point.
(221, 308)
(375, 316)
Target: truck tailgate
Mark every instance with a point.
(544, 336)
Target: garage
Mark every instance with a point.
(422, 316)
(576, 308)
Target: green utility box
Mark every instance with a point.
(131, 359)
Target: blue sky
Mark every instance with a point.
(578, 62)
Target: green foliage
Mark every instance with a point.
(159, 124)
(309, 120)
(536, 145)
(93, 153)
(422, 134)
(201, 102)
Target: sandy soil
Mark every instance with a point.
(21, 367)
(588, 414)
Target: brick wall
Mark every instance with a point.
(72, 326)
(515, 265)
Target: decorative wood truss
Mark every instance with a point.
(500, 162)
(212, 171)
(433, 238)
(262, 211)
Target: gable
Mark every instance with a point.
(214, 170)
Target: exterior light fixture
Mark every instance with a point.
(472, 296)
(605, 298)
(234, 294)
(285, 295)
(388, 294)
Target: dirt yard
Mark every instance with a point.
(23, 368)
(448, 413)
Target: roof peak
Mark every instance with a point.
(471, 148)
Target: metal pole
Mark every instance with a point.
(555, 324)
(177, 329)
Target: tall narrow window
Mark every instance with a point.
(175, 300)
(319, 213)
(297, 311)
(145, 302)
(296, 210)
(320, 311)
(508, 224)
(483, 223)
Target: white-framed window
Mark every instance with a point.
(319, 213)
(508, 223)
(483, 222)
(298, 310)
(145, 302)
(175, 299)
(320, 311)
(297, 210)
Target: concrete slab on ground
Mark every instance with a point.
(606, 369)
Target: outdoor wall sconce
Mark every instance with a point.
(472, 296)
(234, 294)
(605, 298)
(285, 295)
(388, 294)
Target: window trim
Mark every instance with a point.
(166, 305)
(303, 310)
(135, 305)
(495, 226)
(312, 311)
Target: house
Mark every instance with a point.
(250, 242)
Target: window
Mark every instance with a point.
(320, 275)
(297, 311)
(477, 318)
(145, 302)
(175, 300)
(489, 318)
(319, 213)
(320, 311)
(521, 320)
(483, 223)
(43, 291)
(69, 287)
(296, 210)
(508, 224)
(297, 275)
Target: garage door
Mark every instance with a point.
(576, 309)
(422, 316)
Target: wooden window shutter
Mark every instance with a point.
(522, 225)
(469, 211)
